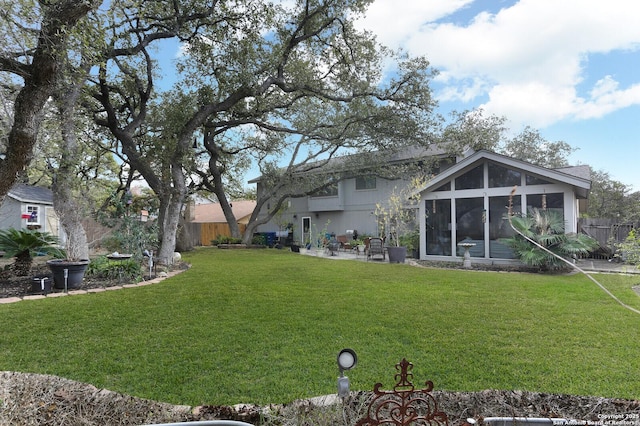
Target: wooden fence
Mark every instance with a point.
(201, 234)
(606, 231)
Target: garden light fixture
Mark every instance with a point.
(347, 359)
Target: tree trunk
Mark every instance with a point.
(218, 185)
(64, 202)
(39, 82)
(22, 265)
(168, 220)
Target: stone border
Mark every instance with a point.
(6, 300)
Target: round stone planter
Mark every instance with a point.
(397, 254)
(74, 272)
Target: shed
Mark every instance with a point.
(30, 207)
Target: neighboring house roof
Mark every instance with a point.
(578, 177)
(31, 194)
(212, 212)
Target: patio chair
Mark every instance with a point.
(376, 248)
(344, 242)
(333, 246)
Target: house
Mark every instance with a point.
(211, 222)
(348, 206)
(468, 203)
(30, 207)
(465, 201)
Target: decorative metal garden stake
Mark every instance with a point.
(404, 405)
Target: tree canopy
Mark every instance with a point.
(35, 37)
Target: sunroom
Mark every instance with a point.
(468, 204)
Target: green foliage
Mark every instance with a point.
(611, 199)
(260, 240)
(130, 235)
(411, 240)
(224, 239)
(474, 129)
(546, 227)
(128, 270)
(629, 250)
(396, 216)
(24, 244)
(270, 333)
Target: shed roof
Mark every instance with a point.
(212, 212)
(31, 194)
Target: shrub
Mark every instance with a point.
(126, 269)
(259, 240)
(546, 228)
(224, 239)
(25, 244)
(629, 250)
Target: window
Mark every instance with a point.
(329, 191)
(501, 177)
(554, 202)
(499, 226)
(365, 182)
(438, 227)
(470, 219)
(534, 180)
(32, 215)
(445, 187)
(473, 179)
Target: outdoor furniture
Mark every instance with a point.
(344, 242)
(333, 246)
(376, 248)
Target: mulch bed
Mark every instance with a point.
(36, 399)
(14, 286)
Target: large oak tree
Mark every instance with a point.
(32, 54)
(258, 82)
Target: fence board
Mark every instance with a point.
(211, 231)
(606, 231)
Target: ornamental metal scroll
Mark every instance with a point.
(404, 405)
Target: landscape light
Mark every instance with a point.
(347, 359)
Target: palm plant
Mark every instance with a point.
(546, 229)
(24, 244)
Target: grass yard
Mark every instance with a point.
(265, 326)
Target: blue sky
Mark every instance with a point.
(569, 68)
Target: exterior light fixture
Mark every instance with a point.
(347, 359)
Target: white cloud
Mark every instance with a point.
(528, 59)
(606, 97)
(395, 21)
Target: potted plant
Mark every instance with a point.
(411, 240)
(69, 267)
(24, 244)
(321, 238)
(397, 217)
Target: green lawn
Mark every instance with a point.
(265, 326)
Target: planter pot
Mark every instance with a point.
(41, 284)
(397, 254)
(75, 272)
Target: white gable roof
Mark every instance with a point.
(574, 176)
